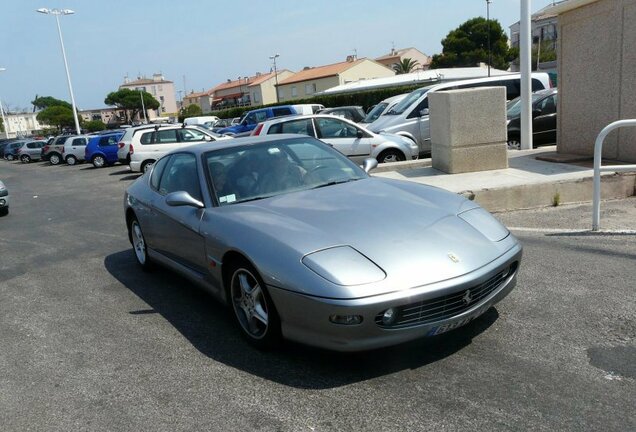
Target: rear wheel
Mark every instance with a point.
(10, 157)
(391, 155)
(25, 158)
(98, 161)
(146, 166)
(55, 159)
(514, 142)
(71, 160)
(252, 307)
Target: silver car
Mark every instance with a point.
(303, 244)
(349, 138)
(75, 148)
(4, 199)
(30, 151)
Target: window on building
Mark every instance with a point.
(255, 97)
(294, 91)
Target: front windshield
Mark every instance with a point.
(252, 172)
(408, 101)
(513, 109)
(375, 112)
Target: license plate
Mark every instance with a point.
(453, 325)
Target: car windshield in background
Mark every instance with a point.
(408, 101)
(514, 106)
(375, 112)
(253, 172)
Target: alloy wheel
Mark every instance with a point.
(139, 245)
(98, 162)
(54, 159)
(249, 303)
(514, 144)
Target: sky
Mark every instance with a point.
(209, 41)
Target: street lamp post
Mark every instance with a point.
(4, 120)
(274, 57)
(57, 13)
(488, 21)
(143, 106)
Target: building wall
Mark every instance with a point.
(321, 84)
(414, 54)
(265, 92)
(365, 70)
(21, 124)
(163, 92)
(597, 83)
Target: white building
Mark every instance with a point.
(22, 124)
(160, 88)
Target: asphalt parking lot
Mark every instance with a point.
(90, 342)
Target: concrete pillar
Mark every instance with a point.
(468, 129)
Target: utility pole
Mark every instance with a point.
(274, 57)
(525, 57)
(488, 21)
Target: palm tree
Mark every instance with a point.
(406, 65)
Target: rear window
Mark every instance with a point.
(147, 138)
(277, 112)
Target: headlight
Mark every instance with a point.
(343, 265)
(485, 223)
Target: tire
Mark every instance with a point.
(146, 165)
(391, 155)
(55, 159)
(139, 245)
(252, 307)
(4, 211)
(71, 160)
(25, 158)
(98, 161)
(514, 142)
(10, 157)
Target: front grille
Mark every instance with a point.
(448, 306)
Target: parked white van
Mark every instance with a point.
(409, 118)
(149, 145)
(381, 108)
(308, 108)
(201, 120)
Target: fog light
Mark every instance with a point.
(2, 202)
(389, 316)
(345, 319)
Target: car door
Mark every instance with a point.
(176, 232)
(77, 147)
(348, 139)
(544, 121)
(417, 123)
(301, 126)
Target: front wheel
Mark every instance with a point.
(25, 158)
(139, 245)
(253, 308)
(514, 143)
(71, 160)
(99, 161)
(391, 155)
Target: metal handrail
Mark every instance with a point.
(598, 151)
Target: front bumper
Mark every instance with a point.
(4, 198)
(305, 319)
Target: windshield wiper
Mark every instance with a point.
(256, 198)
(335, 182)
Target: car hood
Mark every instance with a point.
(407, 230)
(384, 121)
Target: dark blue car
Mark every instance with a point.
(101, 150)
(254, 117)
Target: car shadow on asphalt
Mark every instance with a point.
(120, 172)
(209, 327)
(130, 177)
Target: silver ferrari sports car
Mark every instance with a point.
(303, 244)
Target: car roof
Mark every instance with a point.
(238, 142)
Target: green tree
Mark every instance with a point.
(405, 66)
(94, 125)
(130, 101)
(48, 101)
(57, 115)
(1, 125)
(192, 110)
(467, 46)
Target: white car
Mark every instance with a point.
(149, 145)
(74, 149)
(381, 108)
(4, 199)
(123, 146)
(410, 117)
(350, 139)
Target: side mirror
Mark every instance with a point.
(369, 164)
(359, 133)
(207, 138)
(424, 112)
(536, 113)
(182, 198)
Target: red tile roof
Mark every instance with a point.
(321, 72)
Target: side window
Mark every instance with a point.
(79, 142)
(513, 89)
(157, 169)
(147, 138)
(420, 106)
(548, 105)
(187, 135)
(302, 127)
(260, 116)
(31, 145)
(537, 85)
(180, 174)
(281, 112)
(166, 136)
(334, 128)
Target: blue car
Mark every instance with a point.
(254, 117)
(101, 150)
